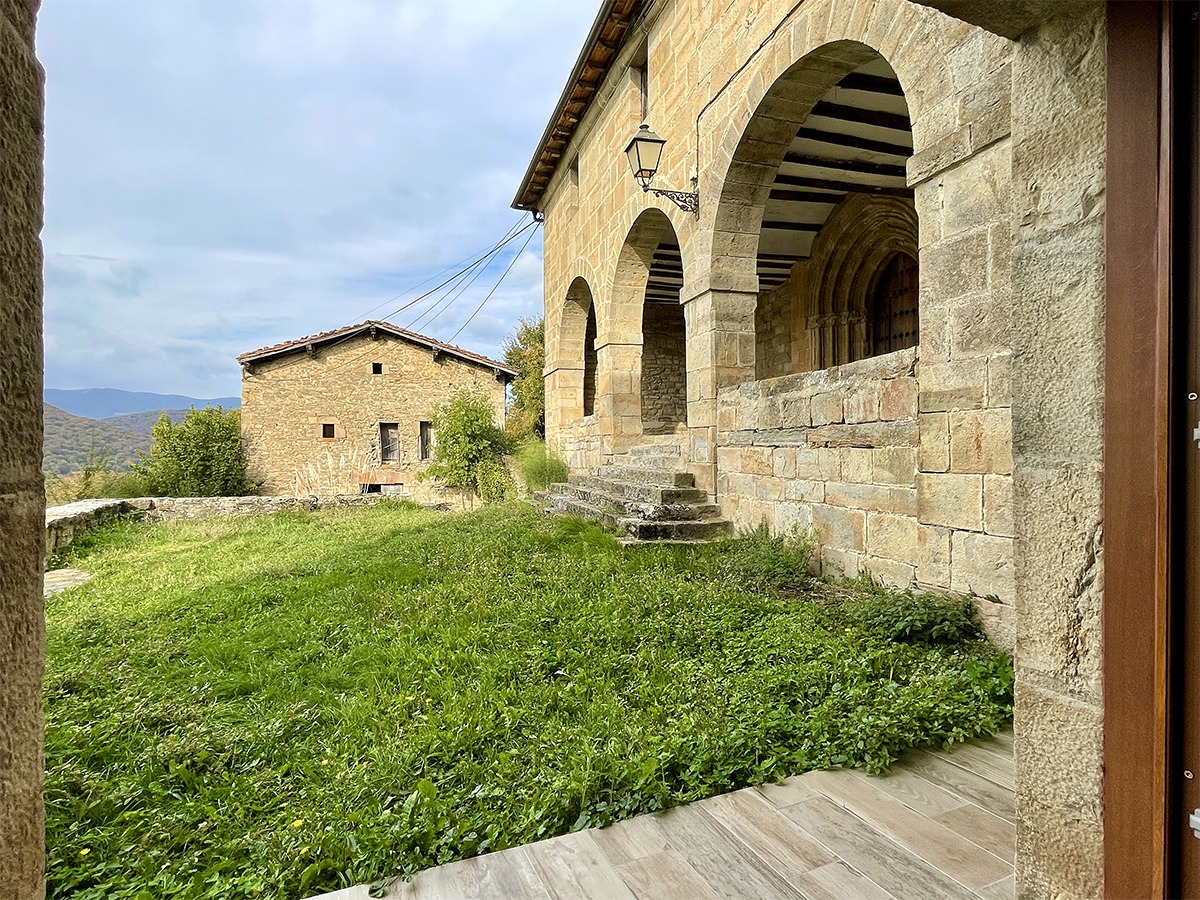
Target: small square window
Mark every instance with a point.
(327, 431)
(376, 368)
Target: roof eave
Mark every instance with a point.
(527, 196)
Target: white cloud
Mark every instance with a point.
(223, 176)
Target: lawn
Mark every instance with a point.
(272, 707)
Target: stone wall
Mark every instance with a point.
(286, 402)
(664, 368)
(22, 501)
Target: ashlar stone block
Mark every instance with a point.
(955, 501)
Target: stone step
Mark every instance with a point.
(674, 531)
(640, 491)
(570, 506)
(651, 511)
(661, 477)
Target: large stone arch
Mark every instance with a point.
(622, 392)
(577, 329)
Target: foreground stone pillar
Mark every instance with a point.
(564, 403)
(619, 394)
(22, 501)
(720, 353)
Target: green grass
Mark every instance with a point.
(276, 706)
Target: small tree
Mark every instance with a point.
(525, 351)
(202, 456)
(469, 444)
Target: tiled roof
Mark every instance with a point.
(349, 331)
(611, 28)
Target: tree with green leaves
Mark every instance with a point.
(202, 456)
(470, 447)
(525, 351)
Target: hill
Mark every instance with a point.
(70, 438)
(101, 403)
(141, 422)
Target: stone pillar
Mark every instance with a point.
(1058, 134)
(619, 394)
(564, 402)
(720, 353)
(22, 501)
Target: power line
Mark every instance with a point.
(508, 236)
(496, 285)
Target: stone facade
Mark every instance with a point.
(22, 630)
(966, 460)
(317, 423)
(941, 428)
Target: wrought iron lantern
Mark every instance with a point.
(645, 153)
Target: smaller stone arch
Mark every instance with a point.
(577, 346)
(838, 287)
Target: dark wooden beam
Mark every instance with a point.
(853, 140)
(847, 187)
(878, 118)
(806, 197)
(792, 226)
(876, 84)
(888, 170)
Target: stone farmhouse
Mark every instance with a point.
(351, 410)
(1051, 181)
(896, 272)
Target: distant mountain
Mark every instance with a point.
(101, 403)
(142, 421)
(69, 439)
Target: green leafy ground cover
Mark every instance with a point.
(277, 706)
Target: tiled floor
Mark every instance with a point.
(940, 825)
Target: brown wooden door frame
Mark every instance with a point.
(1136, 444)
(1183, 717)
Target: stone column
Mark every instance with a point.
(564, 402)
(1059, 107)
(720, 353)
(619, 394)
(22, 501)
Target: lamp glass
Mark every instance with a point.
(644, 153)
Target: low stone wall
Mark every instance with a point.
(166, 509)
(845, 452)
(65, 523)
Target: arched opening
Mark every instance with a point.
(577, 345)
(589, 363)
(834, 211)
(646, 291)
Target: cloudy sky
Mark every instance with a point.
(226, 174)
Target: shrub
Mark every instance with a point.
(910, 617)
(539, 467)
(202, 456)
(468, 441)
(765, 562)
(494, 482)
(94, 480)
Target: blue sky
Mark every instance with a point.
(226, 174)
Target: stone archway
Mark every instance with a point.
(815, 205)
(649, 385)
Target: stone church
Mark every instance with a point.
(857, 267)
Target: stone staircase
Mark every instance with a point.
(644, 504)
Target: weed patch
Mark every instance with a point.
(278, 706)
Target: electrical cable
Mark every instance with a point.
(496, 285)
